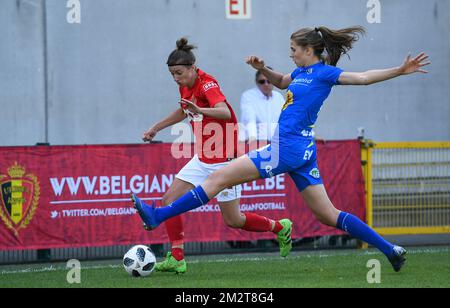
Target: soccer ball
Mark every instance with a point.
(139, 261)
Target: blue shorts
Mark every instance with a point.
(299, 161)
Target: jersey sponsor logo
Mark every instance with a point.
(289, 100)
(19, 198)
(306, 133)
(308, 154)
(315, 173)
(210, 85)
(303, 81)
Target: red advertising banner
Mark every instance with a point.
(79, 196)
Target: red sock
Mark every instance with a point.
(178, 253)
(257, 223)
(175, 231)
(278, 227)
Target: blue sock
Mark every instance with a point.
(191, 200)
(358, 229)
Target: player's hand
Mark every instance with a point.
(255, 62)
(414, 65)
(191, 106)
(150, 134)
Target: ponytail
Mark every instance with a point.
(335, 42)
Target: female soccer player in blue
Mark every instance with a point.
(204, 104)
(293, 150)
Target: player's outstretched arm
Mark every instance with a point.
(277, 79)
(174, 118)
(219, 111)
(409, 66)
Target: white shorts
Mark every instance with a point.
(196, 172)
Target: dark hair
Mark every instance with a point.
(259, 73)
(183, 54)
(335, 42)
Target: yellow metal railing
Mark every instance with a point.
(407, 186)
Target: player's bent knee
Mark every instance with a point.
(217, 179)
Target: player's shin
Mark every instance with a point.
(191, 200)
(175, 231)
(358, 229)
(257, 223)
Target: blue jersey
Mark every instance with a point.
(310, 87)
(292, 149)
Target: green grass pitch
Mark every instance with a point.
(425, 267)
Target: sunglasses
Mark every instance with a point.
(263, 81)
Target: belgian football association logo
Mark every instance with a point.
(19, 198)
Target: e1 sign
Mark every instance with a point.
(238, 9)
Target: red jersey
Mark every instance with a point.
(216, 140)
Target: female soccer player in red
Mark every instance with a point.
(203, 103)
(293, 149)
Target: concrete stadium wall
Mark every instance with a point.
(22, 73)
(105, 80)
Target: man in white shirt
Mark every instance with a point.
(260, 109)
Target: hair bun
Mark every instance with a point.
(183, 54)
(182, 44)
